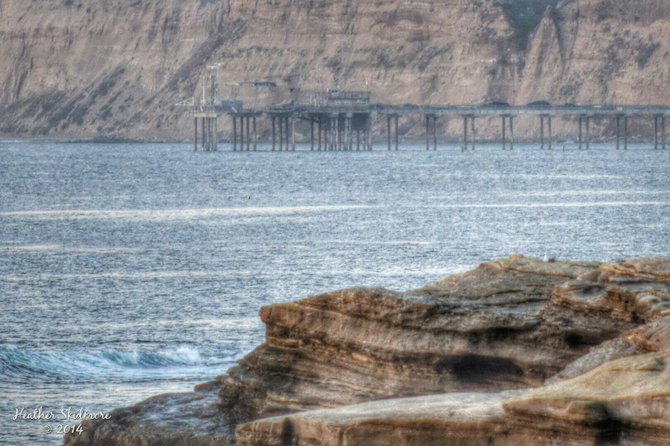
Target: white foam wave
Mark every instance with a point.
(19, 363)
(177, 214)
(593, 204)
(64, 249)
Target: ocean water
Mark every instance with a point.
(129, 270)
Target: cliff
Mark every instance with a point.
(515, 349)
(113, 69)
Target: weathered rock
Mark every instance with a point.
(624, 402)
(509, 324)
(651, 337)
(471, 331)
(191, 419)
(116, 69)
(453, 419)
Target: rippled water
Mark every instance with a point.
(131, 270)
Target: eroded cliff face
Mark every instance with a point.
(116, 69)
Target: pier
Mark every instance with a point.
(342, 121)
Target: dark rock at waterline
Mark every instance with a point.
(509, 324)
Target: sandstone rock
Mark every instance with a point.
(453, 419)
(651, 337)
(116, 69)
(485, 330)
(624, 402)
(166, 420)
(508, 324)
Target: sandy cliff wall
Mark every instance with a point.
(116, 69)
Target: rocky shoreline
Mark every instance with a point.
(517, 351)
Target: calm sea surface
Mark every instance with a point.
(128, 270)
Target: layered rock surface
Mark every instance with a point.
(116, 69)
(623, 402)
(471, 339)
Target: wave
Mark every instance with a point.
(25, 364)
(179, 214)
(597, 204)
(14, 249)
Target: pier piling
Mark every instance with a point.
(625, 132)
(581, 119)
(464, 147)
(474, 132)
(388, 131)
(431, 131)
(663, 131)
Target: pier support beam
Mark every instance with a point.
(248, 133)
(368, 132)
(465, 134)
(581, 120)
(216, 134)
(431, 132)
(234, 119)
(659, 127)
(585, 123)
(195, 140)
(311, 133)
(391, 130)
(541, 132)
(320, 131)
(625, 132)
(203, 135)
(397, 145)
(505, 118)
(241, 133)
(205, 132)
(504, 132)
(474, 132)
(388, 131)
(255, 133)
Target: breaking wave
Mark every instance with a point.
(18, 364)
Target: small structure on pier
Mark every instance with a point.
(206, 116)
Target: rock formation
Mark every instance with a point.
(564, 352)
(113, 69)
